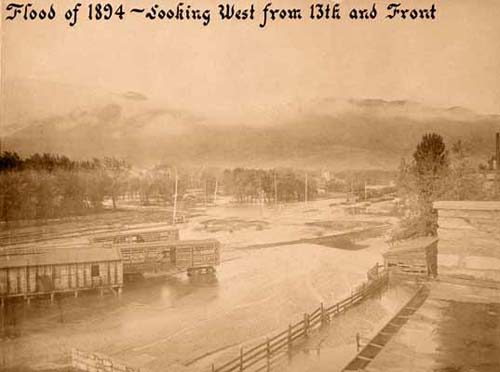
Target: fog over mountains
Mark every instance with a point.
(360, 133)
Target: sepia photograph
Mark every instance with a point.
(249, 186)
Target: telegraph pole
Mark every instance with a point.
(275, 190)
(175, 198)
(305, 196)
(215, 191)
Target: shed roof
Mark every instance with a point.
(411, 245)
(62, 256)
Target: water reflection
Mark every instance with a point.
(18, 318)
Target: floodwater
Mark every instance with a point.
(178, 324)
(181, 324)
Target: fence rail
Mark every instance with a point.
(283, 341)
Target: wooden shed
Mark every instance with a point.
(60, 270)
(416, 257)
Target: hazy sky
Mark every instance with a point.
(236, 68)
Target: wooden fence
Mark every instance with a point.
(260, 357)
(95, 362)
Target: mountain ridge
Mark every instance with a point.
(334, 133)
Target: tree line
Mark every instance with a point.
(268, 186)
(45, 186)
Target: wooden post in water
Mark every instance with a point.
(289, 343)
(241, 358)
(323, 319)
(213, 367)
(306, 324)
(268, 353)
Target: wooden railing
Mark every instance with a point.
(261, 356)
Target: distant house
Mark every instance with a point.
(60, 270)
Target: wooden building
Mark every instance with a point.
(60, 270)
(416, 257)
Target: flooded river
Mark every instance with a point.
(184, 324)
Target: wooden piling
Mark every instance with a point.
(306, 324)
(289, 341)
(268, 353)
(241, 358)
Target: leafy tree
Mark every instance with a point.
(465, 183)
(10, 161)
(115, 176)
(421, 182)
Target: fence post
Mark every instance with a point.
(306, 324)
(268, 348)
(241, 358)
(289, 340)
(213, 367)
(322, 313)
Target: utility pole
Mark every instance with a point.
(215, 192)
(497, 157)
(175, 198)
(305, 196)
(275, 190)
(261, 197)
(352, 188)
(205, 193)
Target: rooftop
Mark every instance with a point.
(411, 245)
(61, 256)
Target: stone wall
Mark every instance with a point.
(469, 239)
(94, 362)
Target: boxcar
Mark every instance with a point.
(189, 255)
(139, 236)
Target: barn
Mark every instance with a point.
(60, 270)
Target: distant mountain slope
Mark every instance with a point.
(84, 123)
